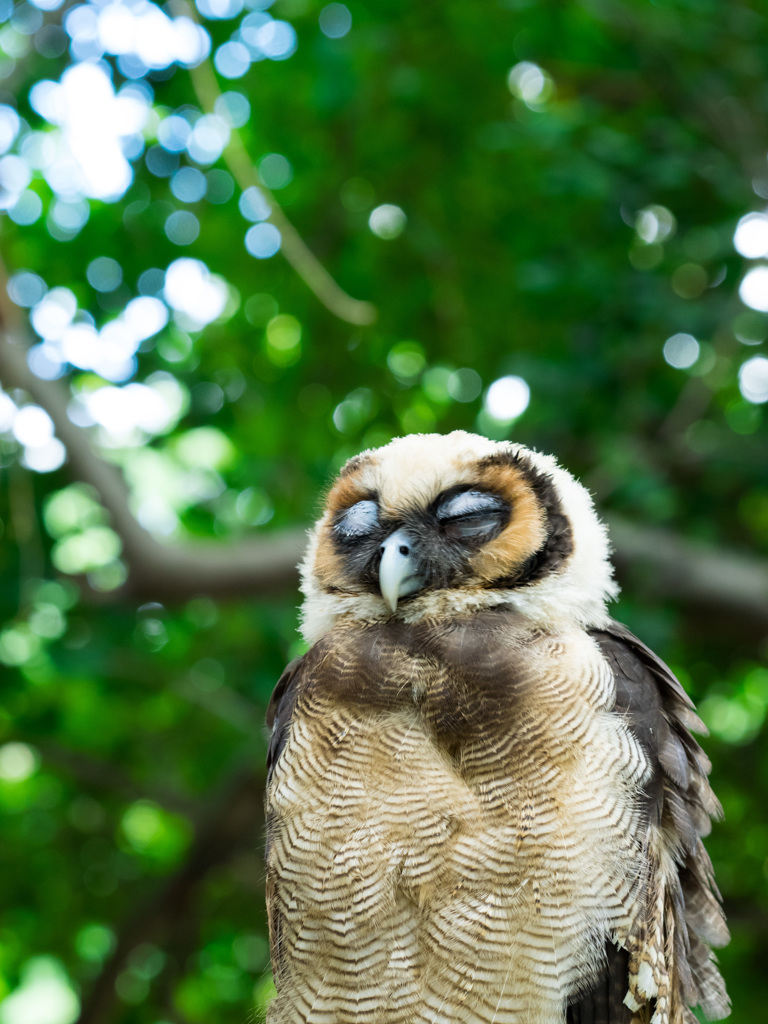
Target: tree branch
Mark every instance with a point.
(293, 247)
(663, 563)
(163, 572)
(717, 579)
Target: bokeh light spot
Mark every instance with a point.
(751, 236)
(253, 506)
(94, 942)
(46, 457)
(27, 209)
(173, 133)
(681, 351)
(197, 296)
(277, 40)
(208, 138)
(253, 205)
(182, 227)
(283, 340)
(406, 360)
(689, 280)
(232, 60)
(32, 426)
(753, 379)
(507, 398)
(234, 108)
(263, 240)
(275, 171)
(18, 762)
(189, 184)
(753, 290)
(434, 383)
(25, 288)
(104, 274)
(220, 186)
(387, 221)
(655, 224)
(219, 8)
(750, 328)
(530, 83)
(9, 127)
(464, 385)
(335, 21)
(160, 161)
(45, 995)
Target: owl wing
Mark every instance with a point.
(280, 709)
(667, 964)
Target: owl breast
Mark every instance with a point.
(453, 827)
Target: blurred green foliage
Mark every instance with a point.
(542, 191)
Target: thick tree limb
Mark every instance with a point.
(163, 572)
(660, 562)
(663, 563)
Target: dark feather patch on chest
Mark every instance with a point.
(463, 677)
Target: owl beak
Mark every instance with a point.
(398, 574)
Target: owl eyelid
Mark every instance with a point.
(469, 505)
(358, 521)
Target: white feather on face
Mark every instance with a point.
(407, 476)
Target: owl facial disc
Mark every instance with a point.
(398, 574)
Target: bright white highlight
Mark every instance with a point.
(131, 414)
(54, 313)
(142, 30)
(32, 426)
(94, 123)
(45, 996)
(9, 127)
(7, 412)
(197, 296)
(753, 290)
(387, 221)
(17, 762)
(681, 351)
(277, 40)
(109, 352)
(253, 205)
(144, 317)
(753, 380)
(45, 458)
(751, 236)
(530, 83)
(263, 240)
(655, 224)
(507, 398)
(208, 138)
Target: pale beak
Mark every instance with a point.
(397, 572)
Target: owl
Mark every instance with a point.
(484, 803)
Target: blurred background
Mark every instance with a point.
(241, 242)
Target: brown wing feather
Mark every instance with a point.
(679, 804)
(279, 711)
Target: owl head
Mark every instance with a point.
(433, 526)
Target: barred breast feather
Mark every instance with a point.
(486, 823)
